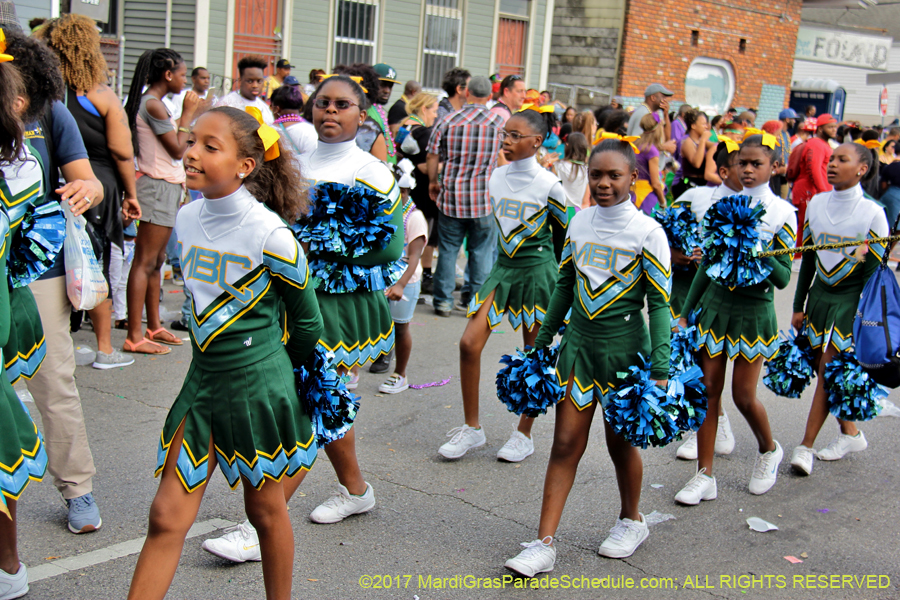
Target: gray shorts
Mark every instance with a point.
(159, 200)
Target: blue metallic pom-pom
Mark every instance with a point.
(852, 394)
(791, 369)
(733, 241)
(342, 278)
(331, 408)
(687, 398)
(528, 384)
(640, 411)
(346, 220)
(36, 243)
(681, 228)
(685, 345)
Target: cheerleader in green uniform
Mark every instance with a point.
(740, 324)
(827, 309)
(528, 203)
(614, 257)
(238, 407)
(698, 200)
(22, 455)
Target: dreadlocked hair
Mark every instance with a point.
(11, 128)
(76, 41)
(39, 68)
(150, 68)
(276, 183)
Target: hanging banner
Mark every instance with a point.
(843, 48)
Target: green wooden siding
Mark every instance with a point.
(309, 37)
(184, 16)
(479, 27)
(215, 52)
(400, 44)
(145, 26)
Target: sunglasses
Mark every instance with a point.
(515, 136)
(323, 104)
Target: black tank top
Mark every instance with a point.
(107, 216)
(695, 174)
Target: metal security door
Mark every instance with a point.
(257, 30)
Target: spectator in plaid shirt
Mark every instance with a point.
(467, 142)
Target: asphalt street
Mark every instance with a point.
(441, 526)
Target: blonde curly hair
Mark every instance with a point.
(76, 41)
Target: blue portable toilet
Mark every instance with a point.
(826, 95)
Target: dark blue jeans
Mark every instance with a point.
(481, 234)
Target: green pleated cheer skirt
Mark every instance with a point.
(736, 324)
(681, 285)
(522, 293)
(25, 351)
(594, 353)
(254, 417)
(830, 316)
(22, 454)
(358, 326)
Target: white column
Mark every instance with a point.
(201, 34)
(529, 48)
(287, 28)
(168, 33)
(229, 39)
(545, 46)
(493, 68)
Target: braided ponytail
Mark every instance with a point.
(150, 68)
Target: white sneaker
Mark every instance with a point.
(688, 450)
(352, 383)
(802, 459)
(843, 445)
(462, 439)
(765, 471)
(337, 508)
(537, 557)
(395, 384)
(518, 448)
(700, 487)
(724, 436)
(624, 538)
(240, 545)
(889, 409)
(16, 585)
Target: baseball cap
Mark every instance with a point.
(619, 100)
(284, 64)
(825, 119)
(291, 80)
(480, 87)
(386, 73)
(8, 18)
(808, 125)
(656, 88)
(788, 113)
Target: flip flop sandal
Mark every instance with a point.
(151, 335)
(136, 348)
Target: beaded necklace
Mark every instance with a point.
(290, 119)
(388, 138)
(407, 212)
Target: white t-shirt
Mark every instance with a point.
(574, 187)
(416, 226)
(235, 100)
(303, 136)
(175, 102)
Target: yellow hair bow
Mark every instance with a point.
(630, 139)
(871, 144)
(3, 56)
(767, 138)
(355, 78)
(266, 133)
(541, 109)
(730, 144)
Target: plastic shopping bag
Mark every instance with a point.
(85, 284)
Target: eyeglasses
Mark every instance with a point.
(323, 104)
(515, 136)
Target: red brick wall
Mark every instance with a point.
(657, 46)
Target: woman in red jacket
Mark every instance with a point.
(816, 152)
